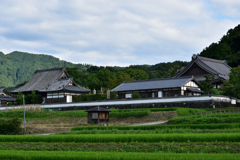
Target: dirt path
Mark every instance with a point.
(148, 124)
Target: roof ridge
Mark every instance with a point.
(159, 79)
(211, 59)
(50, 69)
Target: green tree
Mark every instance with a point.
(135, 72)
(118, 78)
(231, 87)
(103, 75)
(207, 85)
(19, 99)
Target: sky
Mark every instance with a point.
(115, 32)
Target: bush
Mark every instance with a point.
(9, 103)
(136, 95)
(12, 126)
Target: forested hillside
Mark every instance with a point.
(17, 67)
(109, 77)
(228, 48)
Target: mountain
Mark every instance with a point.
(228, 48)
(18, 67)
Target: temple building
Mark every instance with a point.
(158, 88)
(54, 85)
(4, 98)
(200, 66)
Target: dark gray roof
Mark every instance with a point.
(1, 89)
(154, 84)
(76, 89)
(63, 84)
(194, 90)
(4, 97)
(98, 109)
(47, 80)
(217, 67)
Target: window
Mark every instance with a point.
(129, 95)
(159, 94)
(94, 115)
(101, 115)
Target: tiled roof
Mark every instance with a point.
(7, 98)
(153, 84)
(218, 68)
(1, 89)
(62, 84)
(49, 80)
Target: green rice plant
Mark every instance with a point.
(219, 118)
(188, 111)
(164, 147)
(34, 115)
(104, 138)
(154, 127)
(155, 131)
(129, 114)
(71, 155)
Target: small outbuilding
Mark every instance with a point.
(98, 115)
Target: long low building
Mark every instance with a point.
(166, 87)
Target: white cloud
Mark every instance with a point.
(106, 32)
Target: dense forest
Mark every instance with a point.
(18, 67)
(228, 48)
(109, 77)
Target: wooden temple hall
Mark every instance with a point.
(200, 66)
(54, 85)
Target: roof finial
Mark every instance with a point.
(194, 56)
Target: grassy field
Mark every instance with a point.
(186, 136)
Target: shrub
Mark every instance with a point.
(12, 126)
(136, 95)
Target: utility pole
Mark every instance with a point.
(24, 115)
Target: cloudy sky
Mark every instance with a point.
(115, 32)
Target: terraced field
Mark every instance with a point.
(202, 137)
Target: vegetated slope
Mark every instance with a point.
(18, 67)
(228, 48)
